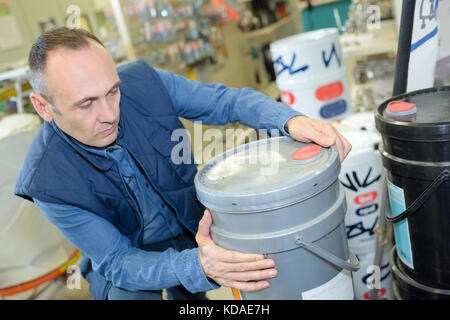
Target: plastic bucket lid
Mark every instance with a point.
(305, 39)
(423, 116)
(266, 174)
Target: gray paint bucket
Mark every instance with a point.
(282, 198)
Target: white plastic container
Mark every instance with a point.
(311, 74)
(362, 177)
(30, 245)
(360, 121)
(324, 98)
(307, 55)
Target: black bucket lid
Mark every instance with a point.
(422, 115)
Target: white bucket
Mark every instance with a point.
(325, 98)
(30, 245)
(363, 279)
(360, 121)
(16, 134)
(362, 177)
(311, 74)
(307, 55)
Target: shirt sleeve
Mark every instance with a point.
(217, 104)
(114, 257)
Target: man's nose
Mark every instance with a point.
(106, 112)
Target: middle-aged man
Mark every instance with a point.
(100, 169)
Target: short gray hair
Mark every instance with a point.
(60, 37)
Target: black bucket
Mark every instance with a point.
(415, 129)
(406, 288)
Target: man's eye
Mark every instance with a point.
(114, 91)
(86, 105)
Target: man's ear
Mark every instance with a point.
(42, 106)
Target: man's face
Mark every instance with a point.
(84, 86)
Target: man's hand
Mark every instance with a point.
(319, 131)
(243, 271)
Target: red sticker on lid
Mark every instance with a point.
(330, 91)
(306, 152)
(366, 198)
(400, 106)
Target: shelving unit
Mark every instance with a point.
(18, 76)
(374, 42)
(167, 34)
(366, 47)
(256, 39)
(269, 32)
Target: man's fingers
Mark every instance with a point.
(321, 136)
(342, 144)
(248, 286)
(344, 147)
(347, 144)
(248, 266)
(224, 269)
(341, 149)
(204, 225)
(225, 255)
(252, 275)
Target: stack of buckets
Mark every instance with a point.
(362, 176)
(415, 129)
(311, 75)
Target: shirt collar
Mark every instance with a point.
(97, 156)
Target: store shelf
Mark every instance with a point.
(373, 42)
(263, 33)
(14, 74)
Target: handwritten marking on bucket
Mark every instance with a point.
(279, 61)
(333, 52)
(366, 198)
(358, 229)
(366, 203)
(282, 65)
(357, 184)
(287, 97)
(365, 211)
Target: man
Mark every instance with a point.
(100, 169)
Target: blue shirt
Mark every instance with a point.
(160, 223)
(110, 251)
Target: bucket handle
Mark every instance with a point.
(442, 177)
(352, 264)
